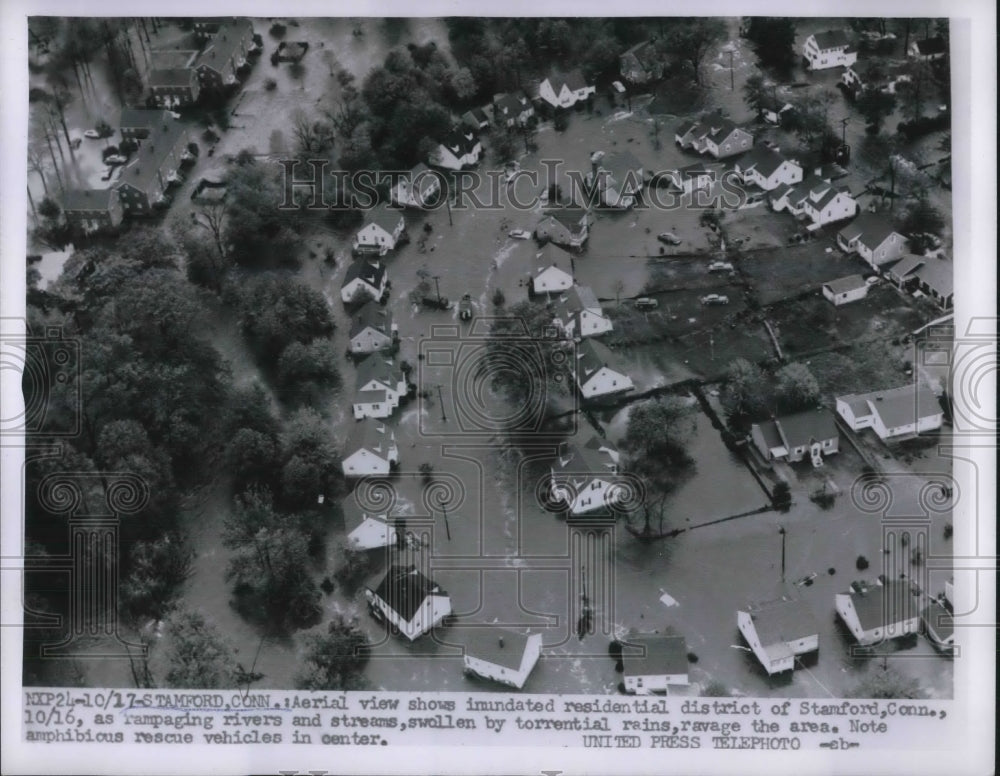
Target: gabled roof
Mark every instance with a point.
(831, 39)
(804, 427)
(371, 435)
(225, 43)
(460, 141)
(906, 265)
(577, 298)
(764, 160)
(590, 357)
(882, 605)
(405, 589)
(694, 170)
(572, 80)
(569, 216)
(372, 274)
(655, 655)
(685, 127)
(513, 103)
(782, 620)
(829, 195)
(896, 406)
(597, 457)
(153, 152)
(552, 269)
(87, 199)
(869, 229)
(499, 646)
(171, 76)
(938, 275)
(171, 59)
(143, 118)
(550, 254)
(384, 217)
(846, 284)
(371, 315)
(354, 516)
(375, 367)
(931, 46)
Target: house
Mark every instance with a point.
(828, 49)
(879, 612)
(778, 632)
(597, 374)
(568, 226)
(206, 26)
(715, 135)
(585, 477)
(459, 150)
(653, 663)
(174, 87)
(378, 388)
(513, 109)
(617, 178)
(91, 210)
(767, 168)
(928, 275)
(850, 81)
(476, 120)
(694, 177)
(364, 281)
(939, 626)
(135, 123)
(218, 65)
(564, 90)
(827, 204)
(366, 531)
(381, 232)
(156, 166)
(408, 601)
(773, 109)
(928, 49)
(551, 278)
(372, 329)
(641, 64)
(578, 314)
(845, 290)
(904, 411)
(793, 437)
(890, 78)
(872, 237)
(502, 655)
(371, 451)
(418, 188)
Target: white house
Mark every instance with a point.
(459, 150)
(381, 232)
(879, 612)
(502, 655)
(829, 49)
(550, 279)
(767, 168)
(617, 178)
(653, 663)
(904, 411)
(372, 329)
(694, 177)
(846, 290)
(578, 314)
(778, 632)
(872, 237)
(367, 531)
(929, 275)
(364, 281)
(370, 451)
(584, 477)
(409, 602)
(828, 204)
(564, 90)
(928, 49)
(379, 388)
(793, 437)
(772, 109)
(417, 188)
(513, 109)
(568, 226)
(939, 626)
(596, 373)
(715, 135)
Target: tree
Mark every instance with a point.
(920, 221)
(254, 458)
(876, 106)
(157, 569)
(797, 389)
(915, 93)
(255, 228)
(462, 84)
(307, 372)
(49, 208)
(502, 143)
(310, 462)
(745, 392)
(197, 655)
(690, 40)
(773, 41)
(334, 661)
(887, 683)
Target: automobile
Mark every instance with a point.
(720, 266)
(873, 280)
(93, 134)
(75, 142)
(106, 175)
(710, 299)
(465, 307)
(115, 159)
(645, 303)
(519, 234)
(175, 114)
(669, 238)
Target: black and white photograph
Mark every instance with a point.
(605, 382)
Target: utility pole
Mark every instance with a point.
(732, 82)
(447, 528)
(843, 130)
(441, 402)
(437, 288)
(781, 531)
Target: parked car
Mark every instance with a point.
(645, 303)
(873, 280)
(720, 266)
(710, 299)
(115, 159)
(669, 238)
(519, 234)
(93, 134)
(75, 142)
(465, 310)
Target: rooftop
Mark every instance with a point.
(369, 434)
(499, 646)
(225, 43)
(870, 229)
(152, 154)
(405, 589)
(382, 370)
(372, 274)
(573, 80)
(384, 217)
(87, 199)
(655, 655)
(843, 285)
(879, 606)
(831, 39)
(896, 406)
(373, 315)
(781, 621)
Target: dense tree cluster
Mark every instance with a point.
(751, 395)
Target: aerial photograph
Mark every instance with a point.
(555, 355)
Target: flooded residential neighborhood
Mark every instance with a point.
(461, 354)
